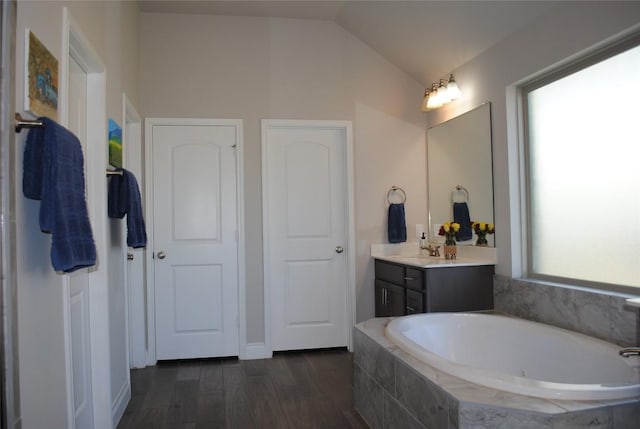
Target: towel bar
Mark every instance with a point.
(461, 189)
(114, 172)
(393, 189)
(23, 123)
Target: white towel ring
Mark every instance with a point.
(459, 189)
(395, 189)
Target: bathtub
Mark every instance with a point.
(518, 356)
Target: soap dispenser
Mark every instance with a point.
(423, 243)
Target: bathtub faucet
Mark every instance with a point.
(630, 351)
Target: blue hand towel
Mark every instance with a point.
(396, 226)
(53, 172)
(124, 198)
(461, 216)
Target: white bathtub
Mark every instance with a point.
(518, 356)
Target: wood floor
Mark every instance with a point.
(311, 389)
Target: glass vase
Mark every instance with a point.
(450, 250)
(482, 240)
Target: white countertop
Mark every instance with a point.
(634, 302)
(410, 254)
(433, 262)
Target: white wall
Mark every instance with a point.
(261, 68)
(564, 32)
(111, 28)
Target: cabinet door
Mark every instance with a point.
(415, 302)
(460, 288)
(390, 300)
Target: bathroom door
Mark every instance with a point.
(79, 306)
(195, 238)
(305, 221)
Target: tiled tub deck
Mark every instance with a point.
(394, 390)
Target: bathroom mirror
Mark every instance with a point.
(460, 170)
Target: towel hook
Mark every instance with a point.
(393, 189)
(462, 190)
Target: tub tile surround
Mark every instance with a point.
(606, 316)
(418, 396)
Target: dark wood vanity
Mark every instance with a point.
(402, 289)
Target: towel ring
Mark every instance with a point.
(394, 189)
(459, 189)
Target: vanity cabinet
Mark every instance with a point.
(403, 289)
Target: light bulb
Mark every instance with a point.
(453, 92)
(442, 93)
(425, 101)
(434, 101)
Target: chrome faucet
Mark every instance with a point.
(630, 351)
(433, 251)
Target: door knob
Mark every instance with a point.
(339, 249)
(161, 255)
(129, 256)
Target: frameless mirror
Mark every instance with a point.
(460, 170)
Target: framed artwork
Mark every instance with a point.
(41, 80)
(115, 144)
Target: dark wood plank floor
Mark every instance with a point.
(310, 389)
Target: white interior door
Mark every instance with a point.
(79, 308)
(195, 240)
(305, 221)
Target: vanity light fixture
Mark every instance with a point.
(440, 94)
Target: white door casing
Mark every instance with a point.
(195, 237)
(308, 238)
(132, 137)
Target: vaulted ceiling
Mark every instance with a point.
(427, 39)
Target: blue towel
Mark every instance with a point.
(461, 216)
(124, 198)
(53, 172)
(396, 226)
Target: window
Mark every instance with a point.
(582, 131)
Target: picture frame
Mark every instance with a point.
(41, 78)
(115, 144)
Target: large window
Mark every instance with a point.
(582, 128)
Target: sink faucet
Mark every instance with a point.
(630, 351)
(433, 251)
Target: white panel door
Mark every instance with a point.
(305, 220)
(79, 308)
(195, 244)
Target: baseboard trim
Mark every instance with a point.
(255, 351)
(120, 403)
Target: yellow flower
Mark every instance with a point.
(455, 226)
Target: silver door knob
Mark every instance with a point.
(129, 256)
(339, 249)
(161, 255)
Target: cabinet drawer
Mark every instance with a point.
(414, 278)
(389, 272)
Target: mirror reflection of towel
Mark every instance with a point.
(396, 226)
(461, 216)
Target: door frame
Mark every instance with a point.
(148, 174)
(347, 128)
(136, 341)
(75, 43)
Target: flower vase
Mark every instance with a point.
(482, 240)
(450, 250)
